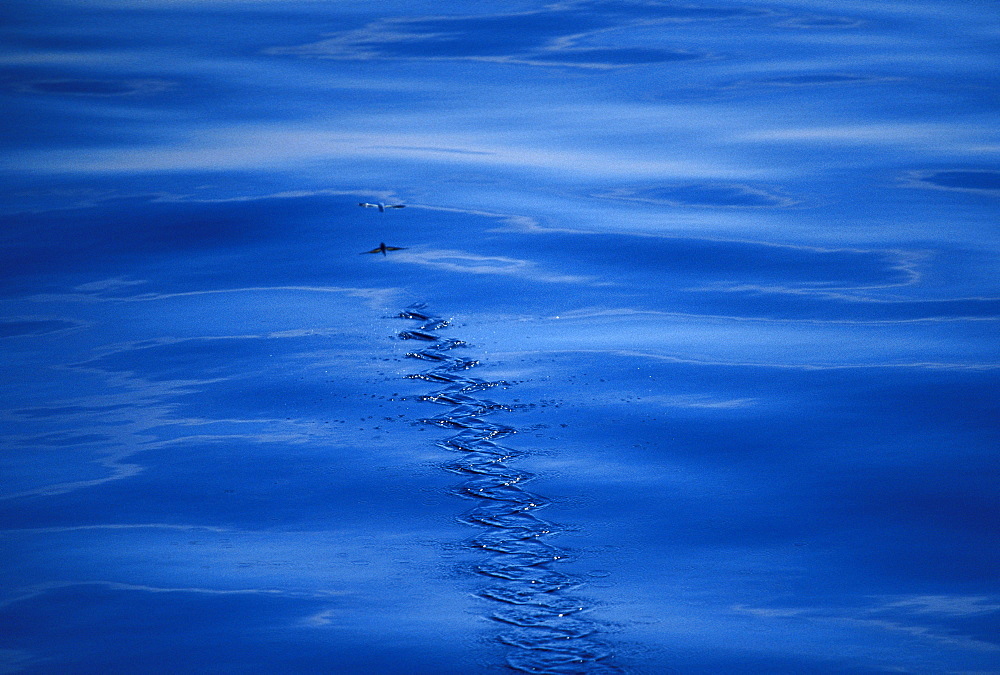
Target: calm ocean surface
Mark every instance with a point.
(687, 363)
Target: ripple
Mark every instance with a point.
(547, 632)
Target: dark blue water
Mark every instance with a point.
(708, 375)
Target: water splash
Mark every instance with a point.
(546, 627)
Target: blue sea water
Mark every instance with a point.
(716, 393)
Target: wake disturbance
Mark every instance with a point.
(545, 628)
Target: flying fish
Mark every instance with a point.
(382, 207)
(382, 248)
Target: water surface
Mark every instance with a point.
(730, 267)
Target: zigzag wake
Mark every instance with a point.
(545, 627)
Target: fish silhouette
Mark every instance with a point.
(382, 248)
(382, 207)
